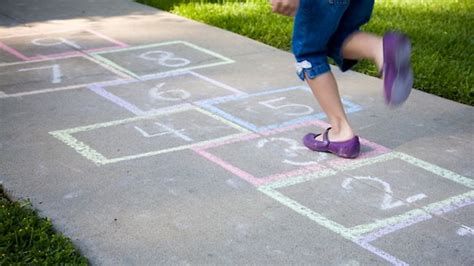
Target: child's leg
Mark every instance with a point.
(315, 24)
(361, 45)
(325, 90)
(391, 53)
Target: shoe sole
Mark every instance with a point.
(403, 80)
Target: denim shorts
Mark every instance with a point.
(320, 29)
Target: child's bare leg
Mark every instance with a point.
(397, 71)
(325, 90)
(361, 45)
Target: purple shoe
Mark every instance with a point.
(346, 149)
(397, 72)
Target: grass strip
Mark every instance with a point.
(442, 34)
(27, 239)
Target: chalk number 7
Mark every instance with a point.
(56, 74)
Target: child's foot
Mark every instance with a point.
(346, 149)
(396, 71)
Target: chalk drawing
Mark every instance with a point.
(72, 195)
(438, 208)
(388, 202)
(374, 150)
(55, 72)
(453, 203)
(102, 57)
(416, 197)
(363, 234)
(280, 179)
(270, 104)
(56, 76)
(383, 254)
(156, 94)
(41, 41)
(169, 130)
(292, 150)
(212, 105)
(437, 170)
(465, 231)
(414, 219)
(384, 226)
(13, 52)
(99, 159)
(59, 41)
(165, 58)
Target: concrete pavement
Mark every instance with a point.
(152, 139)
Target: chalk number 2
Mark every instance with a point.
(388, 202)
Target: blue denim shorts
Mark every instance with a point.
(320, 29)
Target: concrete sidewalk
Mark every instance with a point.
(152, 139)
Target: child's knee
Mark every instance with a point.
(311, 69)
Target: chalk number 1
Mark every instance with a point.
(56, 74)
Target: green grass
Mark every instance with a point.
(442, 33)
(26, 239)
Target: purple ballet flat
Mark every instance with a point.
(346, 149)
(397, 72)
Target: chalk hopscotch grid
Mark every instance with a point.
(99, 159)
(212, 104)
(362, 235)
(355, 235)
(98, 56)
(18, 54)
(101, 89)
(119, 77)
(258, 181)
(359, 231)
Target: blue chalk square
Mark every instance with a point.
(271, 109)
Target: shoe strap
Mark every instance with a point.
(325, 137)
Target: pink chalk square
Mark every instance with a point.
(278, 154)
(58, 44)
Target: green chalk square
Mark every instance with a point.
(128, 59)
(355, 232)
(66, 135)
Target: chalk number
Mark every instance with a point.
(56, 74)
(388, 201)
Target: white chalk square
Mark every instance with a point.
(146, 61)
(359, 221)
(27, 78)
(143, 136)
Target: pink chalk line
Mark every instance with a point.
(14, 52)
(23, 57)
(376, 149)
